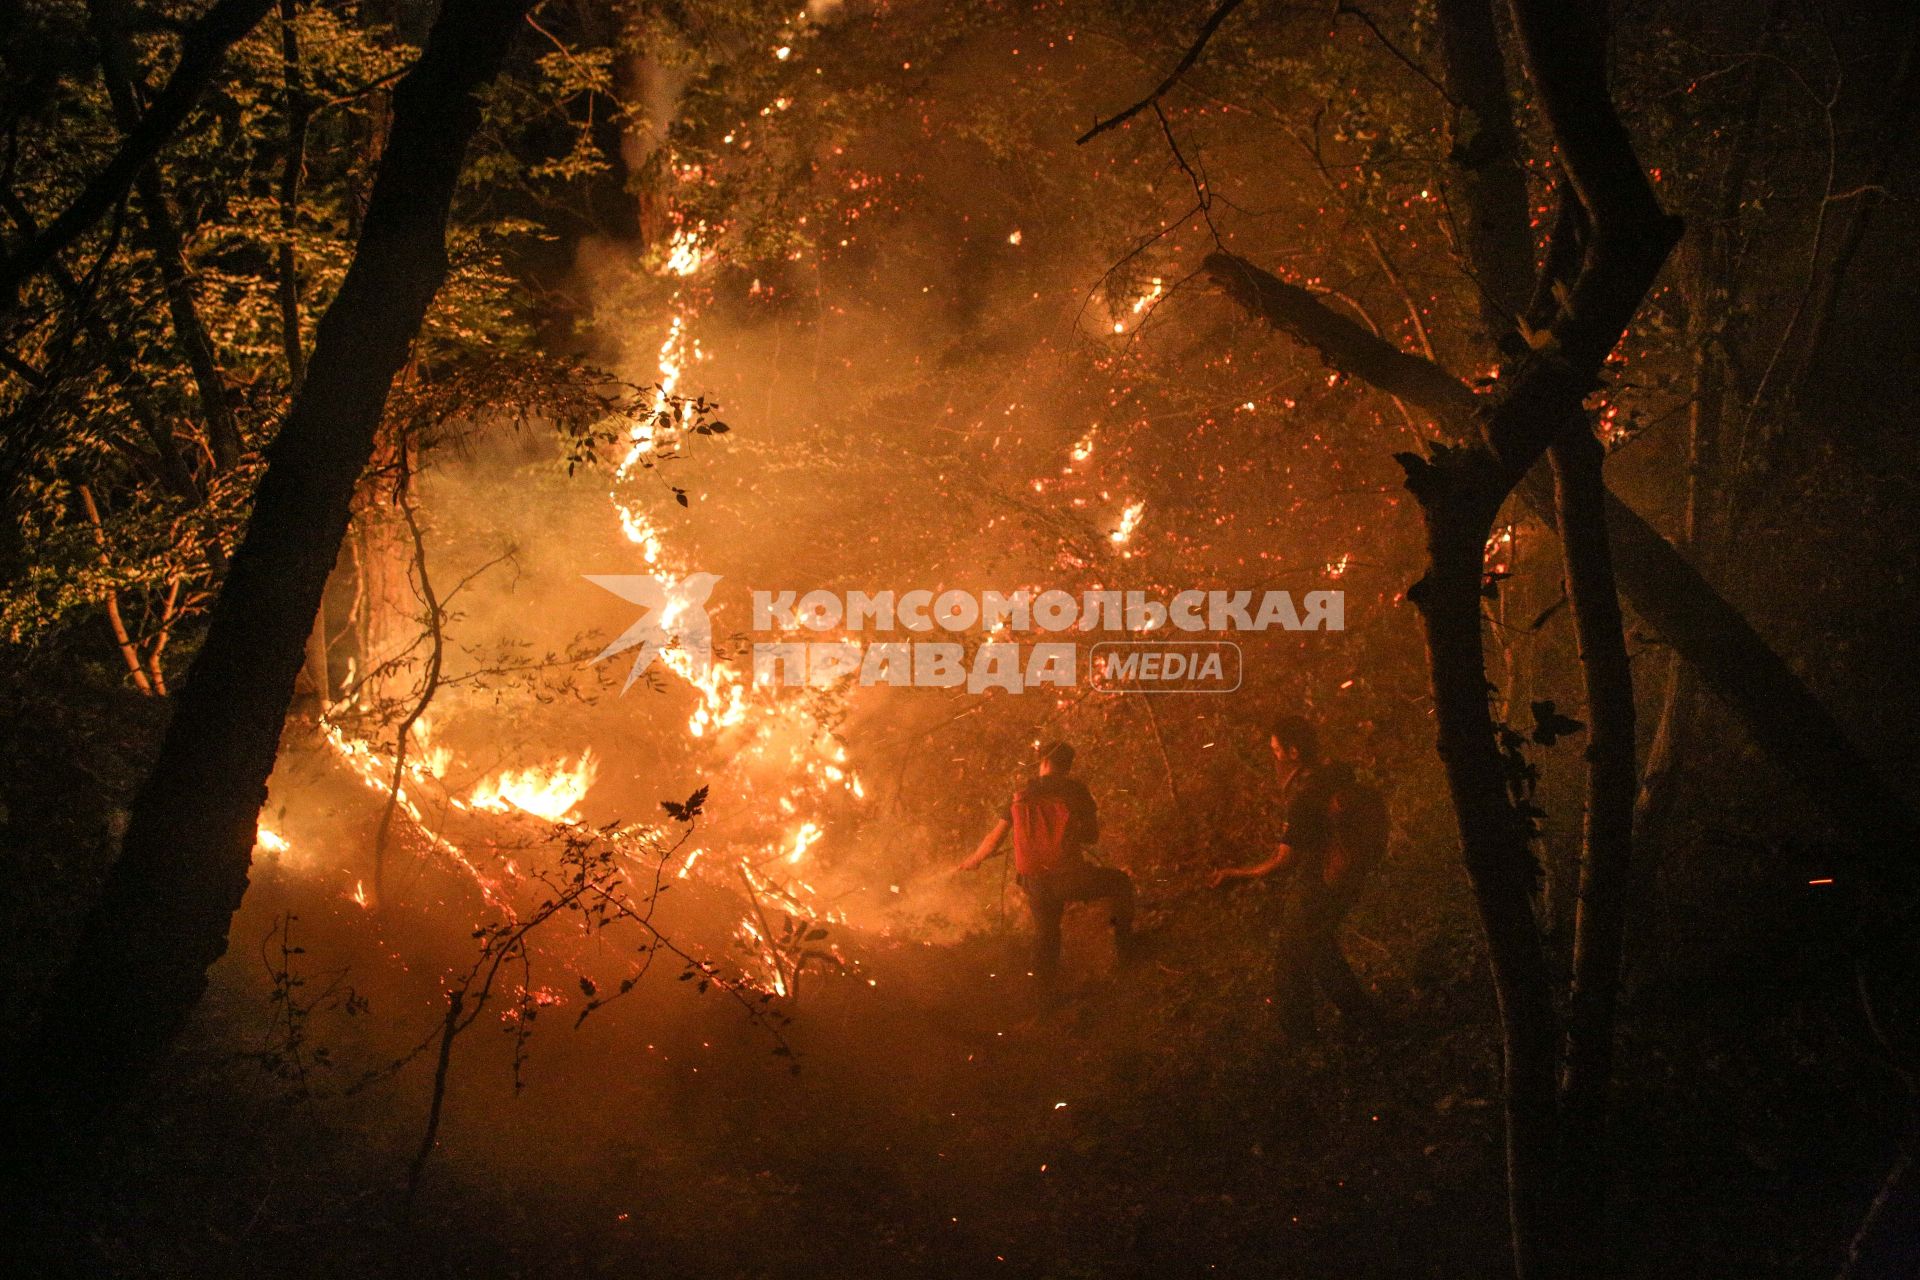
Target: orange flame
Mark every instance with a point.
(553, 791)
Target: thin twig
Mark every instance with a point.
(1220, 14)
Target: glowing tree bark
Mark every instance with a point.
(164, 915)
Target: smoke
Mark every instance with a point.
(957, 389)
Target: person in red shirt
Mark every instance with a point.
(1053, 820)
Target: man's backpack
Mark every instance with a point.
(1358, 829)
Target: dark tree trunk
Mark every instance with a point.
(1612, 781)
(1460, 495)
(1484, 150)
(164, 914)
(1623, 239)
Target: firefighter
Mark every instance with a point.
(1053, 820)
(1335, 834)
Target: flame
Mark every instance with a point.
(553, 791)
(769, 738)
(1129, 521)
(374, 768)
(685, 252)
(433, 758)
(658, 428)
(803, 839)
(271, 841)
(1156, 289)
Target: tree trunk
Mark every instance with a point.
(1460, 497)
(1624, 238)
(1599, 926)
(129, 652)
(1484, 150)
(164, 914)
(292, 169)
(316, 675)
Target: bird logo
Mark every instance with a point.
(672, 610)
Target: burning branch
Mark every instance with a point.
(591, 886)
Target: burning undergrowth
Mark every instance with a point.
(475, 805)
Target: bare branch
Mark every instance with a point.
(1366, 20)
(1220, 14)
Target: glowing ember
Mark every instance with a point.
(1500, 549)
(1129, 521)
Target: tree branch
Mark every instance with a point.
(202, 50)
(1219, 15)
(1484, 149)
(1629, 234)
(120, 68)
(1346, 346)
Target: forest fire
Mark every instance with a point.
(1083, 638)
